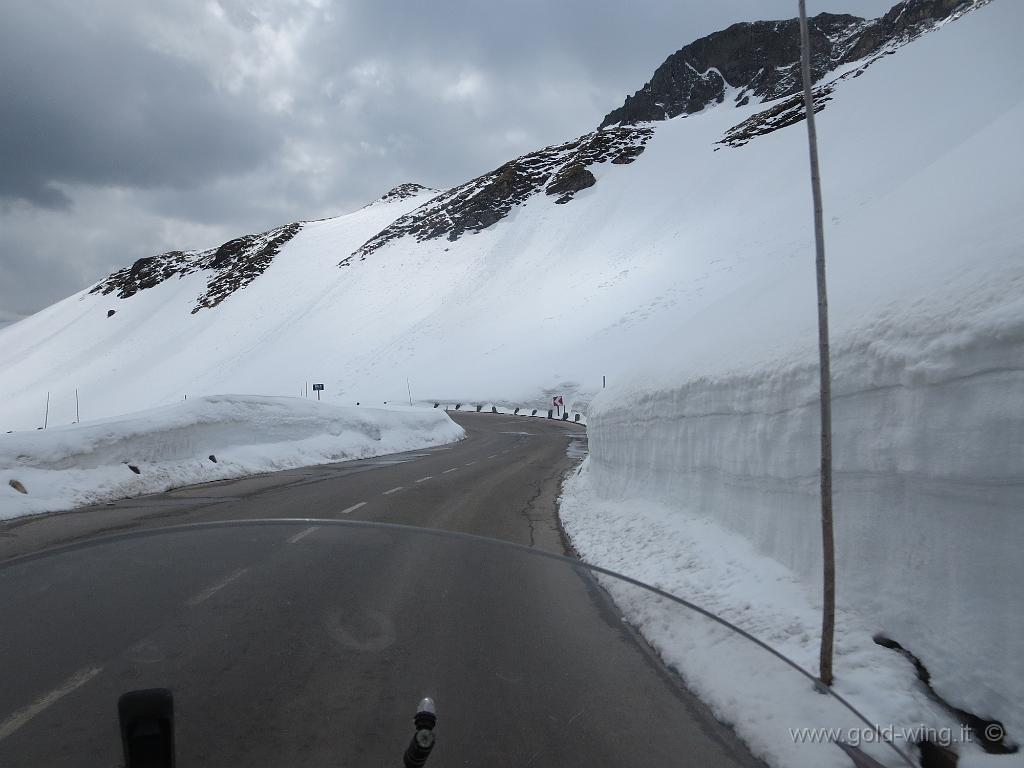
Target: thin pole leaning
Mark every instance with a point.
(825, 373)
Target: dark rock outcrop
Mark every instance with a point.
(147, 273)
(761, 60)
(487, 199)
(882, 37)
(240, 261)
(402, 192)
(234, 265)
(569, 181)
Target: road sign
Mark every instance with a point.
(318, 387)
(558, 402)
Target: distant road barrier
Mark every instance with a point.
(577, 416)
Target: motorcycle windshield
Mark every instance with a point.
(309, 643)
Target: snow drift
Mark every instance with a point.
(69, 466)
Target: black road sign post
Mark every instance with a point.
(318, 388)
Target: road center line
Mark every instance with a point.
(393, 490)
(470, 463)
(209, 592)
(493, 456)
(424, 479)
(22, 716)
(449, 470)
(302, 534)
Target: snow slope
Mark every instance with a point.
(712, 445)
(546, 301)
(69, 466)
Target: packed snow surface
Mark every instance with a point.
(703, 467)
(69, 466)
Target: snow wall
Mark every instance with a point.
(926, 279)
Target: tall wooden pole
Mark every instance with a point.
(828, 617)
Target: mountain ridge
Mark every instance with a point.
(700, 73)
(748, 60)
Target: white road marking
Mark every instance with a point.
(22, 716)
(424, 479)
(209, 592)
(449, 470)
(393, 490)
(493, 456)
(353, 508)
(302, 534)
(470, 463)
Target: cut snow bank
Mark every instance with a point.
(703, 465)
(70, 466)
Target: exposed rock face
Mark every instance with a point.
(750, 61)
(569, 181)
(231, 267)
(487, 199)
(234, 265)
(761, 60)
(402, 192)
(147, 272)
(882, 37)
(240, 261)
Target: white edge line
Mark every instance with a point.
(209, 592)
(22, 716)
(353, 508)
(302, 534)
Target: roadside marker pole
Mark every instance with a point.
(824, 369)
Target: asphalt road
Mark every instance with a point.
(295, 644)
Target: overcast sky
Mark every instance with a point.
(130, 128)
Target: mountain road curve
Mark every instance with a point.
(310, 644)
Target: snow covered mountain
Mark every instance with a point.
(610, 235)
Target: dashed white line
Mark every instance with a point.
(22, 716)
(424, 479)
(449, 470)
(393, 490)
(302, 534)
(353, 508)
(209, 592)
(470, 463)
(493, 456)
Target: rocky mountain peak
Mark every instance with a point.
(761, 60)
(402, 192)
